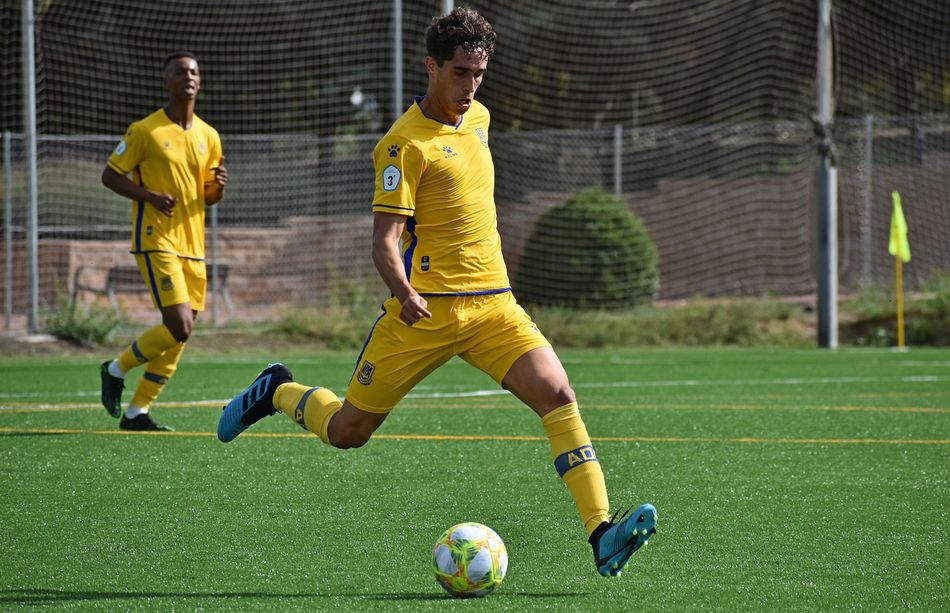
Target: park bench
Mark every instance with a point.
(126, 279)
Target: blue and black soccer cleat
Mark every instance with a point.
(253, 404)
(111, 390)
(614, 543)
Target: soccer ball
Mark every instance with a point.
(470, 560)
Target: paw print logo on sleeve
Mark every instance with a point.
(393, 151)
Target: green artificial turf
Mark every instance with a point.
(784, 480)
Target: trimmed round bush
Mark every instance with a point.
(589, 252)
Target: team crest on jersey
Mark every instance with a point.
(482, 136)
(121, 148)
(448, 152)
(365, 375)
(167, 284)
(391, 178)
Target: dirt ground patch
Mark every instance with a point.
(203, 342)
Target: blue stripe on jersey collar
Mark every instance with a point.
(419, 100)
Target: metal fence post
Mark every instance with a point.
(867, 221)
(618, 161)
(397, 59)
(29, 133)
(7, 231)
(827, 181)
(214, 266)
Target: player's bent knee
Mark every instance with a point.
(349, 438)
(181, 332)
(180, 321)
(351, 427)
(564, 395)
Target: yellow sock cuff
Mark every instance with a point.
(570, 443)
(561, 419)
(311, 407)
(166, 363)
(149, 345)
(157, 372)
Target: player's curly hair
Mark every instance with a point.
(464, 28)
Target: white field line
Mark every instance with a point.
(601, 385)
(700, 382)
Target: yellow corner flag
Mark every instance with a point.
(898, 245)
(900, 249)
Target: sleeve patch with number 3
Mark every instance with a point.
(391, 178)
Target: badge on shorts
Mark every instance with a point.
(365, 375)
(167, 284)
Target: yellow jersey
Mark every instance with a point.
(164, 158)
(442, 178)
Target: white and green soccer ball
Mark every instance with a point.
(470, 560)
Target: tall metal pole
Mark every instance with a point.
(29, 133)
(447, 6)
(397, 59)
(214, 266)
(827, 185)
(7, 232)
(618, 161)
(866, 221)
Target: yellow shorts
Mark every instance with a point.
(173, 280)
(490, 332)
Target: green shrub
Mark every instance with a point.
(873, 320)
(333, 327)
(589, 252)
(88, 326)
(745, 323)
(929, 320)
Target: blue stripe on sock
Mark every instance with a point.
(155, 378)
(573, 458)
(299, 411)
(137, 353)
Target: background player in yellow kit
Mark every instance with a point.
(437, 247)
(175, 161)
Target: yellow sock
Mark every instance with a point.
(152, 343)
(311, 407)
(156, 375)
(577, 464)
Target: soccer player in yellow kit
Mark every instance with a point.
(175, 161)
(437, 247)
